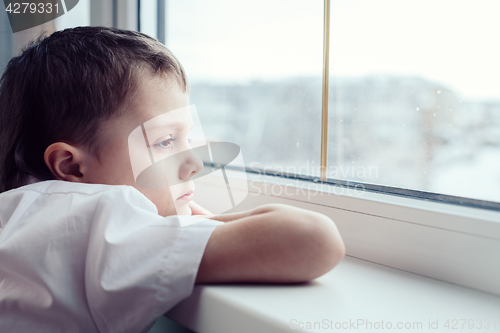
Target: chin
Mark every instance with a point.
(183, 210)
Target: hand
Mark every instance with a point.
(198, 210)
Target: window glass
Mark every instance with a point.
(149, 17)
(414, 95)
(255, 73)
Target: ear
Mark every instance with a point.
(66, 162)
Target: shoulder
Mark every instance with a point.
(74, 197)
(54, 187)
(57, 188)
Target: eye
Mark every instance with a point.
(165, 143)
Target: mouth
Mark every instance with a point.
(186, 197)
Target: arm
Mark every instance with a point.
(199, 210)
(272, 243)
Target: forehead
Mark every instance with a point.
(156, 96)
(170, 121)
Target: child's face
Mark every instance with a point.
(160, 107)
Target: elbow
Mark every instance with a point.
(324, 247)
(334, 245)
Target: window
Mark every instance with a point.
(255, 73)
(413, 103)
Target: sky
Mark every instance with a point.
(452, 42)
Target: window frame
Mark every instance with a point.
(385, 189)
(108, 13)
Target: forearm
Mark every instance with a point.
(239, 215)
(272, 243)
(229, 217)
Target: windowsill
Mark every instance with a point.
(355, 289)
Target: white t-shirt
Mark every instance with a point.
(92, 258)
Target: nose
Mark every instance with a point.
(190, 166)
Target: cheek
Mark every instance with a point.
(138, 153)
(110, 169)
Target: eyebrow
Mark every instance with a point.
(177, 124)
(158, 129)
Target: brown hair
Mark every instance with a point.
(62, 87)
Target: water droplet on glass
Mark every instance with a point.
(439, 91)
(434, 114)
(418, 109)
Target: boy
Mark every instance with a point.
(83, 248)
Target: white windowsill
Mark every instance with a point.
(354, 290)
